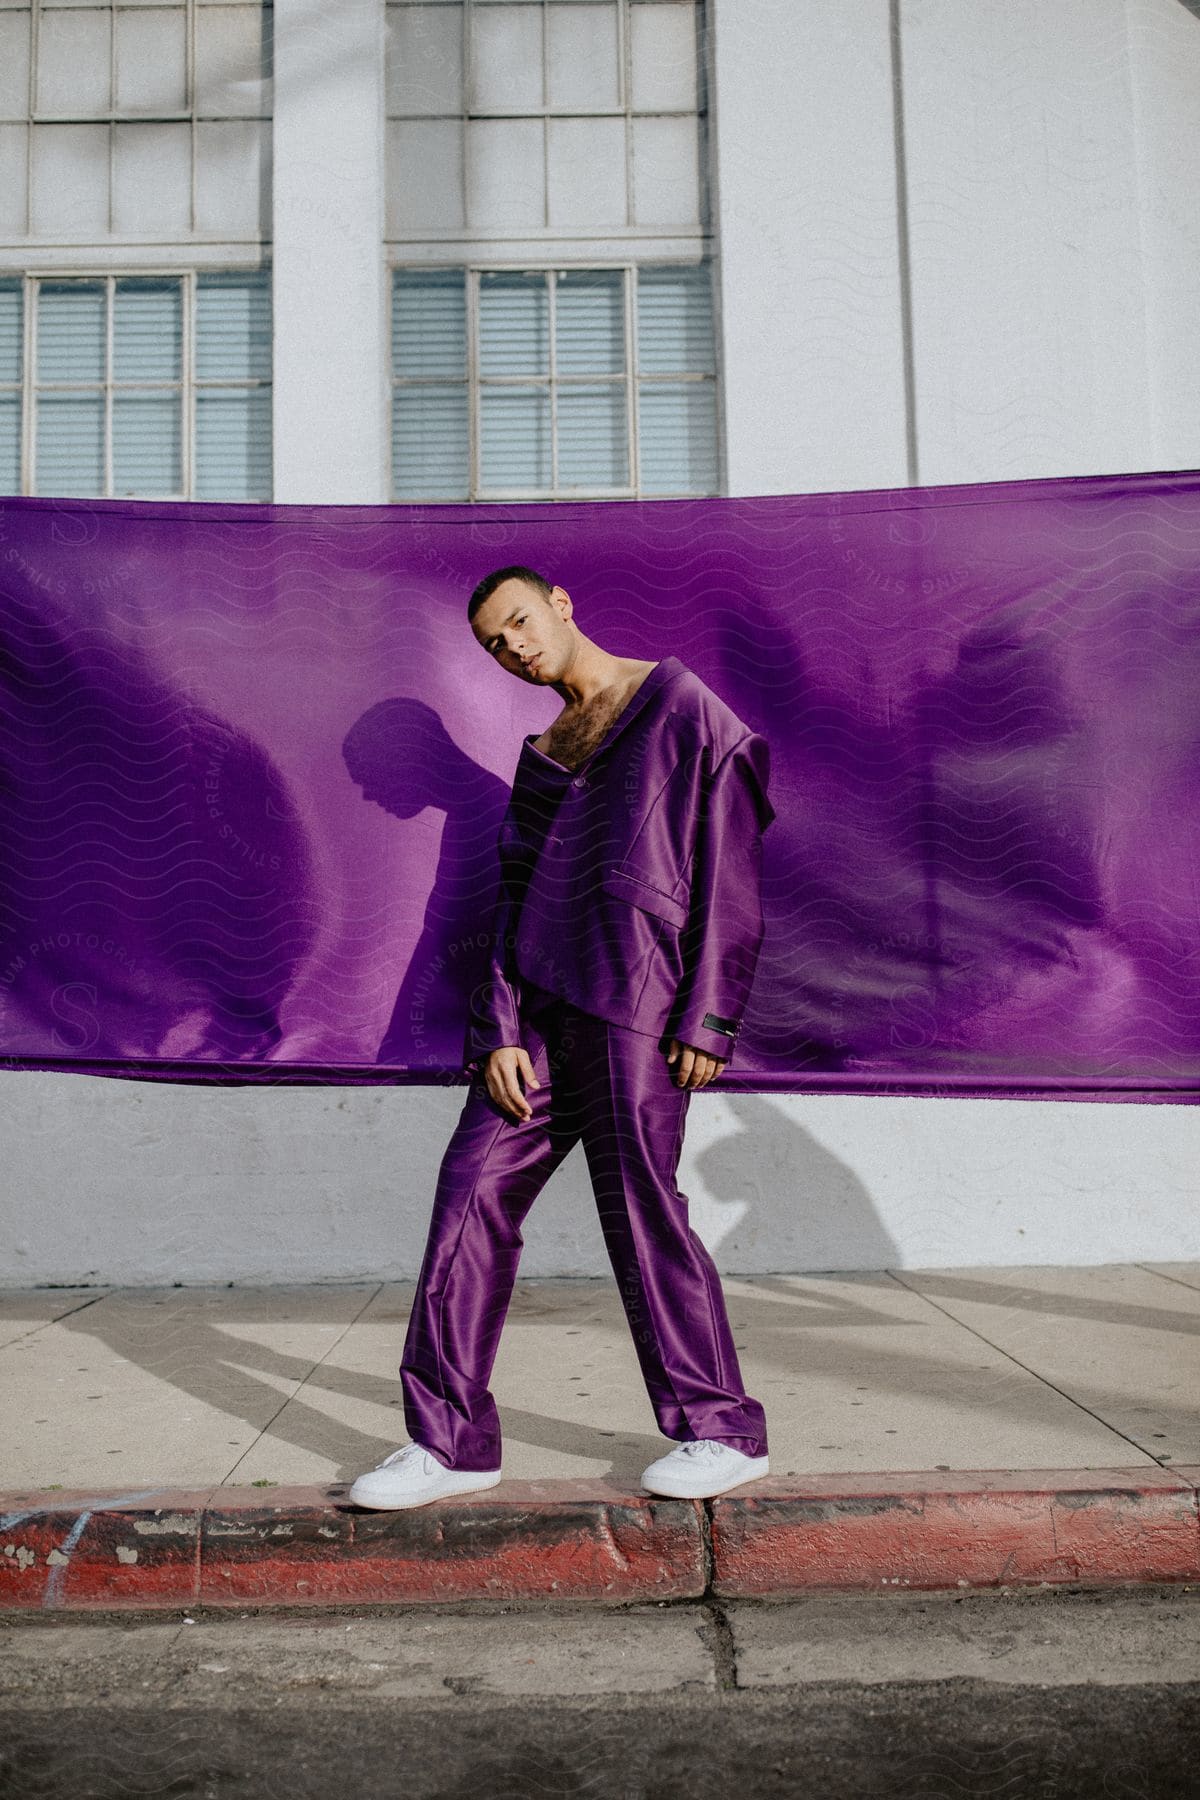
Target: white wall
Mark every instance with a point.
(1164, 38)
(1033, 273)
(329, 371)
(806, 234)
(1029, 286)
(145, 1182)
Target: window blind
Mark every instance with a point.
(70, 375)
(553, 383)
(112, 363)
(430, 434)
(147, 421)
(677, 426)
(233, 394)
(10, 386)
(514, 416)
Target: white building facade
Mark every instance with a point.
(473, 250)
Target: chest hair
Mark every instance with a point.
(573, 736)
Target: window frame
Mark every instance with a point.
(114, 117)
(630, 379)
(472, 240)
(188, 383)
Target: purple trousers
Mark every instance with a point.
(614, 1089)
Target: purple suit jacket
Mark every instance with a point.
(644, 905)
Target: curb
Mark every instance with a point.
(596, 1541)
(968, 1529)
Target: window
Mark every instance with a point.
(134, 120)
(149, 385)
(553, 383)
(544, 117)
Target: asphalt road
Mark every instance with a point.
(1041, 1693)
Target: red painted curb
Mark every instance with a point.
(593, 1541)
(976, 1528)
(577, 1540)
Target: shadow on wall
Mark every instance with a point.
(404, 760)
(156, 894)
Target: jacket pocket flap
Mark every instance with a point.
(642, 893)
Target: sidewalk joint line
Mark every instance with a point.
(1189, 1287)
(287, 1399)
(47, 1324)
(1044, 1379)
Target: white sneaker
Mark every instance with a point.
(412, 1476)
(702, 1468)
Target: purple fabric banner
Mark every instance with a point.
(253, 762)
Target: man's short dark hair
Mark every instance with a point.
(513, 572)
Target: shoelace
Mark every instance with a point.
(696, 1445)
(397, 1456)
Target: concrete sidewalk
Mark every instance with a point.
(928, 1428)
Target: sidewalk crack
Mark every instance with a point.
(716, 1634)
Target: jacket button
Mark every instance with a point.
(580, 781)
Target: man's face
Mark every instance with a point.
(526, 634)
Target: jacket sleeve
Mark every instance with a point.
(494, 1016)
(721, 940)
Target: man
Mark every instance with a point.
(626, 934)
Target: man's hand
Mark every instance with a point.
(500, 1073)
(696, 1067)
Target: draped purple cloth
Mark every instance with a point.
(253, 761)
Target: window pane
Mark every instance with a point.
(424, 59)
(70, 331)
(152, 178)
(593, 447)
(666, 170)
(424, 175)
(10, 331)
(590, 322)
(70, 180)
(233, 58)
(515, 437)
(585, 173)
(70, 444)
(677, 439)
(72, 61)
(663, 53)
(674, 318)
(147, 331)
(10, 443)
(14, 65)
(514, 324)
(581, 51)
(232, 176)
(506, 58)
(151, 59)
(233, 325)
(429, 322)
(505, 173)
(430, 444)
(146, 450)
(14, 159)
(233, 444)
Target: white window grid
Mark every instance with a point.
(630, 378)
(189, 114)
(188, 385)
(623, 108)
